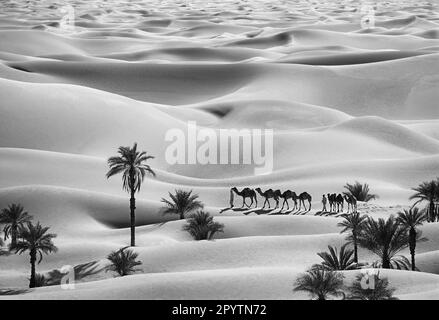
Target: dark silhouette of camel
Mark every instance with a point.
(268, 194)
(351, 201)
(340, 202)
(288, 194)
(305, 196)
(332, 198)
(244, 193)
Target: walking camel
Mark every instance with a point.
(302, 197)
(332, 201)
(340, 202)
(351, 201)
(244, 193)
(288, 194)
(269, 194)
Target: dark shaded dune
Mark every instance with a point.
(211, 29)
(162, 23)
(173, 84)
(190, 54)
(279, 39)
(126, 33)
(353, 58)
(429, 34)
(19, 68)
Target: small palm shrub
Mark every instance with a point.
(378, 289)
(334, 260)
(41, 280)
(182, 203)
(202, 227)
(123, 261)
(360, 191)
(320, 283)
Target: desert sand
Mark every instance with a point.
(345, 102)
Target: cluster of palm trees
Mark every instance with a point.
(26, 237)
(384, 238)
(322, 283)
(131, 163)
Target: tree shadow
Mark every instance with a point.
(81, 271)
(12, 292)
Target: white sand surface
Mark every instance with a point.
(346, 103)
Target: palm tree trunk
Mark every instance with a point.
(412, 244)
(13, 236)
(133, 217)
(355, 248)
(386, 262)
(431, 212)
(33, 258)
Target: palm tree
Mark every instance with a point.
(123, 261)
(13, 217)
(182, 203)
(131, 163)
(379, 291)
(427, 191)
(36, 240)
(352, 223)
(334, 260)
(320, 283)
(385, 238)
(202, 227)
(359, 191)
(410, 219)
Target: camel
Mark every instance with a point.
(332, 199)
(302, 197)
(340, 202)
(244, 193)
(267, 194)
(351, 201)
(288, 194)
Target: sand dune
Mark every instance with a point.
(345, 101)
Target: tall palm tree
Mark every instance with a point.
(360, 191)
(334, 260)
(36, 240)
(13, 217)
(202, 227)
(385, 238)
(380, 290)
(182, 203)
(429, 192)
(320, 283)
(410, 219)
(131, 163)
(352, 223)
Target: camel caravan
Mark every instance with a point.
(334, 202)
(298, 201)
